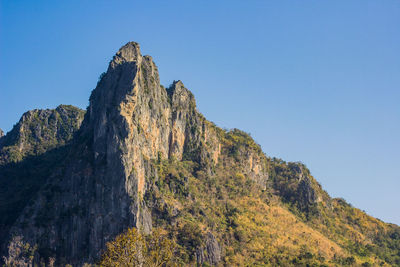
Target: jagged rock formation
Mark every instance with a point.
(144, 156)
(1, 133)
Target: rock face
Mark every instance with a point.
(211, 254)
(98, 190)
(1, 133)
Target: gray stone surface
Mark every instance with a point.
(211, 253)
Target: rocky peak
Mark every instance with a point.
(176, 86)
(128, 53)
(180, 96)
(1, 133)
(129, 122)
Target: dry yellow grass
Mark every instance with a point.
(278, 228)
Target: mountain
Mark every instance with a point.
(144, 157)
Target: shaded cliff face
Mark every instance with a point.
(97, 190)
(28, 154)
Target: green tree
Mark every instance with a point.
(132, 248)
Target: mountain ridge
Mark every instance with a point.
(144, 156)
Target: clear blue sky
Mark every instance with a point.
(312, 81)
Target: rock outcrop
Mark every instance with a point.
(294, 183)
(211, 253)
(1, 133)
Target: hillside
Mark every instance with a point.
(144, 157)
